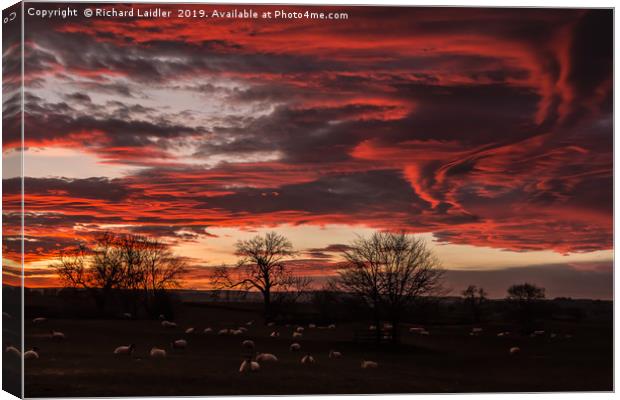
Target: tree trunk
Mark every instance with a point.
(267, 304)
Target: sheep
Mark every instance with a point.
(539, 333)
(56, 335)
(334, 354)
(32, 354)
(266, 357)
(311, 326)
(127, 315)
(307, 359)
(369, 364)
(300, 329)
(223, 332)
(249, 323)
(179, 344)
(295, 347)
(514, 351)
(388, 326)
(270, 324)
(157, 353)
(425, 332)
(249, 366)
(553, 335)
(189, 331)
(248, 344)
(372, 328)
(275, 334)
(476, 330)
(125, 350)
(168, 324)
(162, 317)
(38, 320)
(208, 330)
(235, 332)
(297, 334)
(331, 326)
(242, 329)
(13, 351)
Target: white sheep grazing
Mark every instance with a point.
(297, 334)
(425, 332)
(334, 354)
(179, 344)
(127, 315)
(208, 330)
(32, 354)
(162, 317)
(223, 332)
(157, 353)
(38, 320)
(275, 334)
(369, 364)
(515, 350)
(242, 329)
(476, 330)
(249, 323)
(307, 359)
(124, 350)
(372, 328)
(295, 347)
(266, 357)
(13, 351)
(56, 335)
(189, 331)
(331, 326)
(248, 344)
(168, 324)
(501, 334)
(235, 332)
(539, 333)
(247, 366)
(300, 329)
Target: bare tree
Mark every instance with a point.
(474, 297)
(260, 267)
(98, 270)
(135, 264)
(390, 271)
(525, 300)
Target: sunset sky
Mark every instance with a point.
(487, 131)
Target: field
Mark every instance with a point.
(448, 360)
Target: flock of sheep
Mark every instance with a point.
(252, 360)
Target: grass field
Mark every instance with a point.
(448, 360)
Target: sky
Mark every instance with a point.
(486, 131)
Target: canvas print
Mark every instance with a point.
(207, 199)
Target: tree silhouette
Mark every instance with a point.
(474, 297)
(260, 267)
(143, 267)
(525, 300)
(390, 271)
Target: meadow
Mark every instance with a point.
(568, 356)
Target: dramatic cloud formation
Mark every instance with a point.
(487, 128)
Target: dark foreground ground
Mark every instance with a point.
(449, 360)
